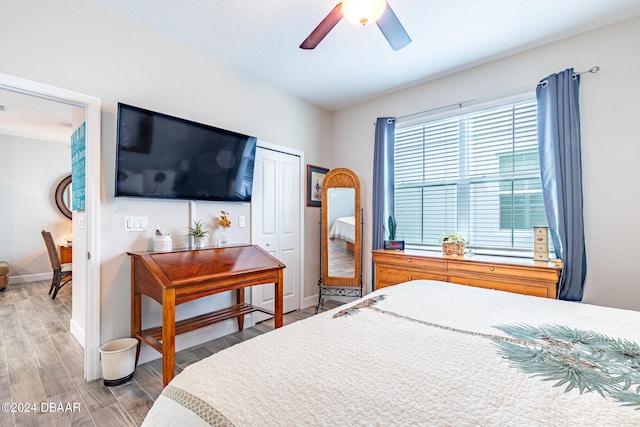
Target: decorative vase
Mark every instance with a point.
(162, 243)
(222, 240)
(200, 242)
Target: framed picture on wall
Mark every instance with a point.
(315, 175)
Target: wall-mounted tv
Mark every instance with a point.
(165, 157)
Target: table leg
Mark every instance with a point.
(168, 335)
(279, 295)
(240, 293)
(136, 320)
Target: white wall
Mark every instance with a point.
(78, 46)
(30, 170)
(610, 149)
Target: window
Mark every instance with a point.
(475, 172)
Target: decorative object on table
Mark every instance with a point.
(199, 234)
(315, 176)
(162, 242)
(392, 243)
(224, 223)
(541, 243)
(453, 244)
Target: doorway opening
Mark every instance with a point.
(85, 322)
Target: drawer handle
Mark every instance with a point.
(409, 260)
(491, 269)
(409, 278)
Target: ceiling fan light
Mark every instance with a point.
(363, 12)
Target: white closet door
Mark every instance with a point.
(275, 216)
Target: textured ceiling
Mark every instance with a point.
(353, 64)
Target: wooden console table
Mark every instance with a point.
(173, 278)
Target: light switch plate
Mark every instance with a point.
(136, 223)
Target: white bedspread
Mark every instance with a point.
(428, 353)
(344, 228)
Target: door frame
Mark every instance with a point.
(302, 195)
(92, 236)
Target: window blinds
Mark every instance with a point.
(475, 173)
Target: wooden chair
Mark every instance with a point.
(61, 272)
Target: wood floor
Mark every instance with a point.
(41, 365)
(341, 259)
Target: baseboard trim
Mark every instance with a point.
(26, 278)
(309, 301)
(77, 332)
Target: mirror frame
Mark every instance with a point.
(59, 196)
(341, 178)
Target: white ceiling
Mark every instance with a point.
(352, 64)
(32, 117)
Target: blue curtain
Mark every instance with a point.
(561, 170)
(382, 180)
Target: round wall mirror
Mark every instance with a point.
(63, 196)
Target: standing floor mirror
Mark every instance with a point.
(341, 236)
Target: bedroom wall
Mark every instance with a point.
(27, 189)
(76, 45)
(610, 149)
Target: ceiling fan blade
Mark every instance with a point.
(392, 29)
(323, 28)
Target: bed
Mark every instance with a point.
(422, 353)
(344, 229)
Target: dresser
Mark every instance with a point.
(518, 275)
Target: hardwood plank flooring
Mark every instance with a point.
(42, 364)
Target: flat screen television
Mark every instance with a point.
(165, 157)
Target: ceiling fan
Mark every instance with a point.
(362, 12)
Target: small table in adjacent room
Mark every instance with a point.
(66, 254)
(173, 278)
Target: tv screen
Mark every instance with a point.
(161, 156)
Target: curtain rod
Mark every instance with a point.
(591, 70)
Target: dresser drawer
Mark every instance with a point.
(504, 270)
(525, 289)
(400, 260)
(392, 275)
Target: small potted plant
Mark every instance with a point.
(199, 234)
(392, 243)
(453, 244)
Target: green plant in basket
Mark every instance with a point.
(453, 244)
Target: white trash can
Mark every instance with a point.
(118, 360)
